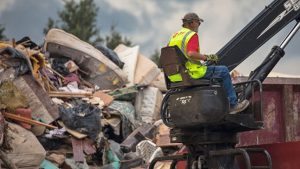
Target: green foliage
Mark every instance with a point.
(78, 19)
(115, 38)
(2, 36)
(51, 24)
(155, 57)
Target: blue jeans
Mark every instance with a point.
(223, 73)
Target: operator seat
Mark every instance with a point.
(201, 101)
(172, 61)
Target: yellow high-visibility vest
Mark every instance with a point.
(181, 39)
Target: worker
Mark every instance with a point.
(187, 41)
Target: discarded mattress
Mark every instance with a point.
(128, 55)
(99, 69)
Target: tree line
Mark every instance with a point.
(79, 19)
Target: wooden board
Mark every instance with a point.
(72, 132)
(106, 98)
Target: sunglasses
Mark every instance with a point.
(197, 21)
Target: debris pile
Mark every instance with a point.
(71, 105)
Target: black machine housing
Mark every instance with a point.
(199, 103)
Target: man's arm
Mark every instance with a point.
(193, 49)
(196, 56)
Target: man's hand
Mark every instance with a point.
(212, 58)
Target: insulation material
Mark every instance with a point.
(147, 104)
(146, 71)
(27, 152)
(10, 97)
(99, 69)
(128, 55)
(39, 102)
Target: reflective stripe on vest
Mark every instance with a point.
(181, 39)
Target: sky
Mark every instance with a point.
(150, 23)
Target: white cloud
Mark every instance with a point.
(137, 8)
(6, 5)
(224, 19)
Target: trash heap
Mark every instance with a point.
(71, 105)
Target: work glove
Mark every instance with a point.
(212, 58)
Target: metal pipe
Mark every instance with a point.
(290, 35)
(263, 152)
(237, 151)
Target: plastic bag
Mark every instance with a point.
(82, 117)
(110, 54)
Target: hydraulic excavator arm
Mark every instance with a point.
(264, 26)
(270, 21)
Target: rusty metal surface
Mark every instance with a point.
(284, 155)
(272, 112)
(281, 97)
(291, 112)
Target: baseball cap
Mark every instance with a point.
(191, 16)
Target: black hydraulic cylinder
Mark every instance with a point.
(262, 71)
(265, 68)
